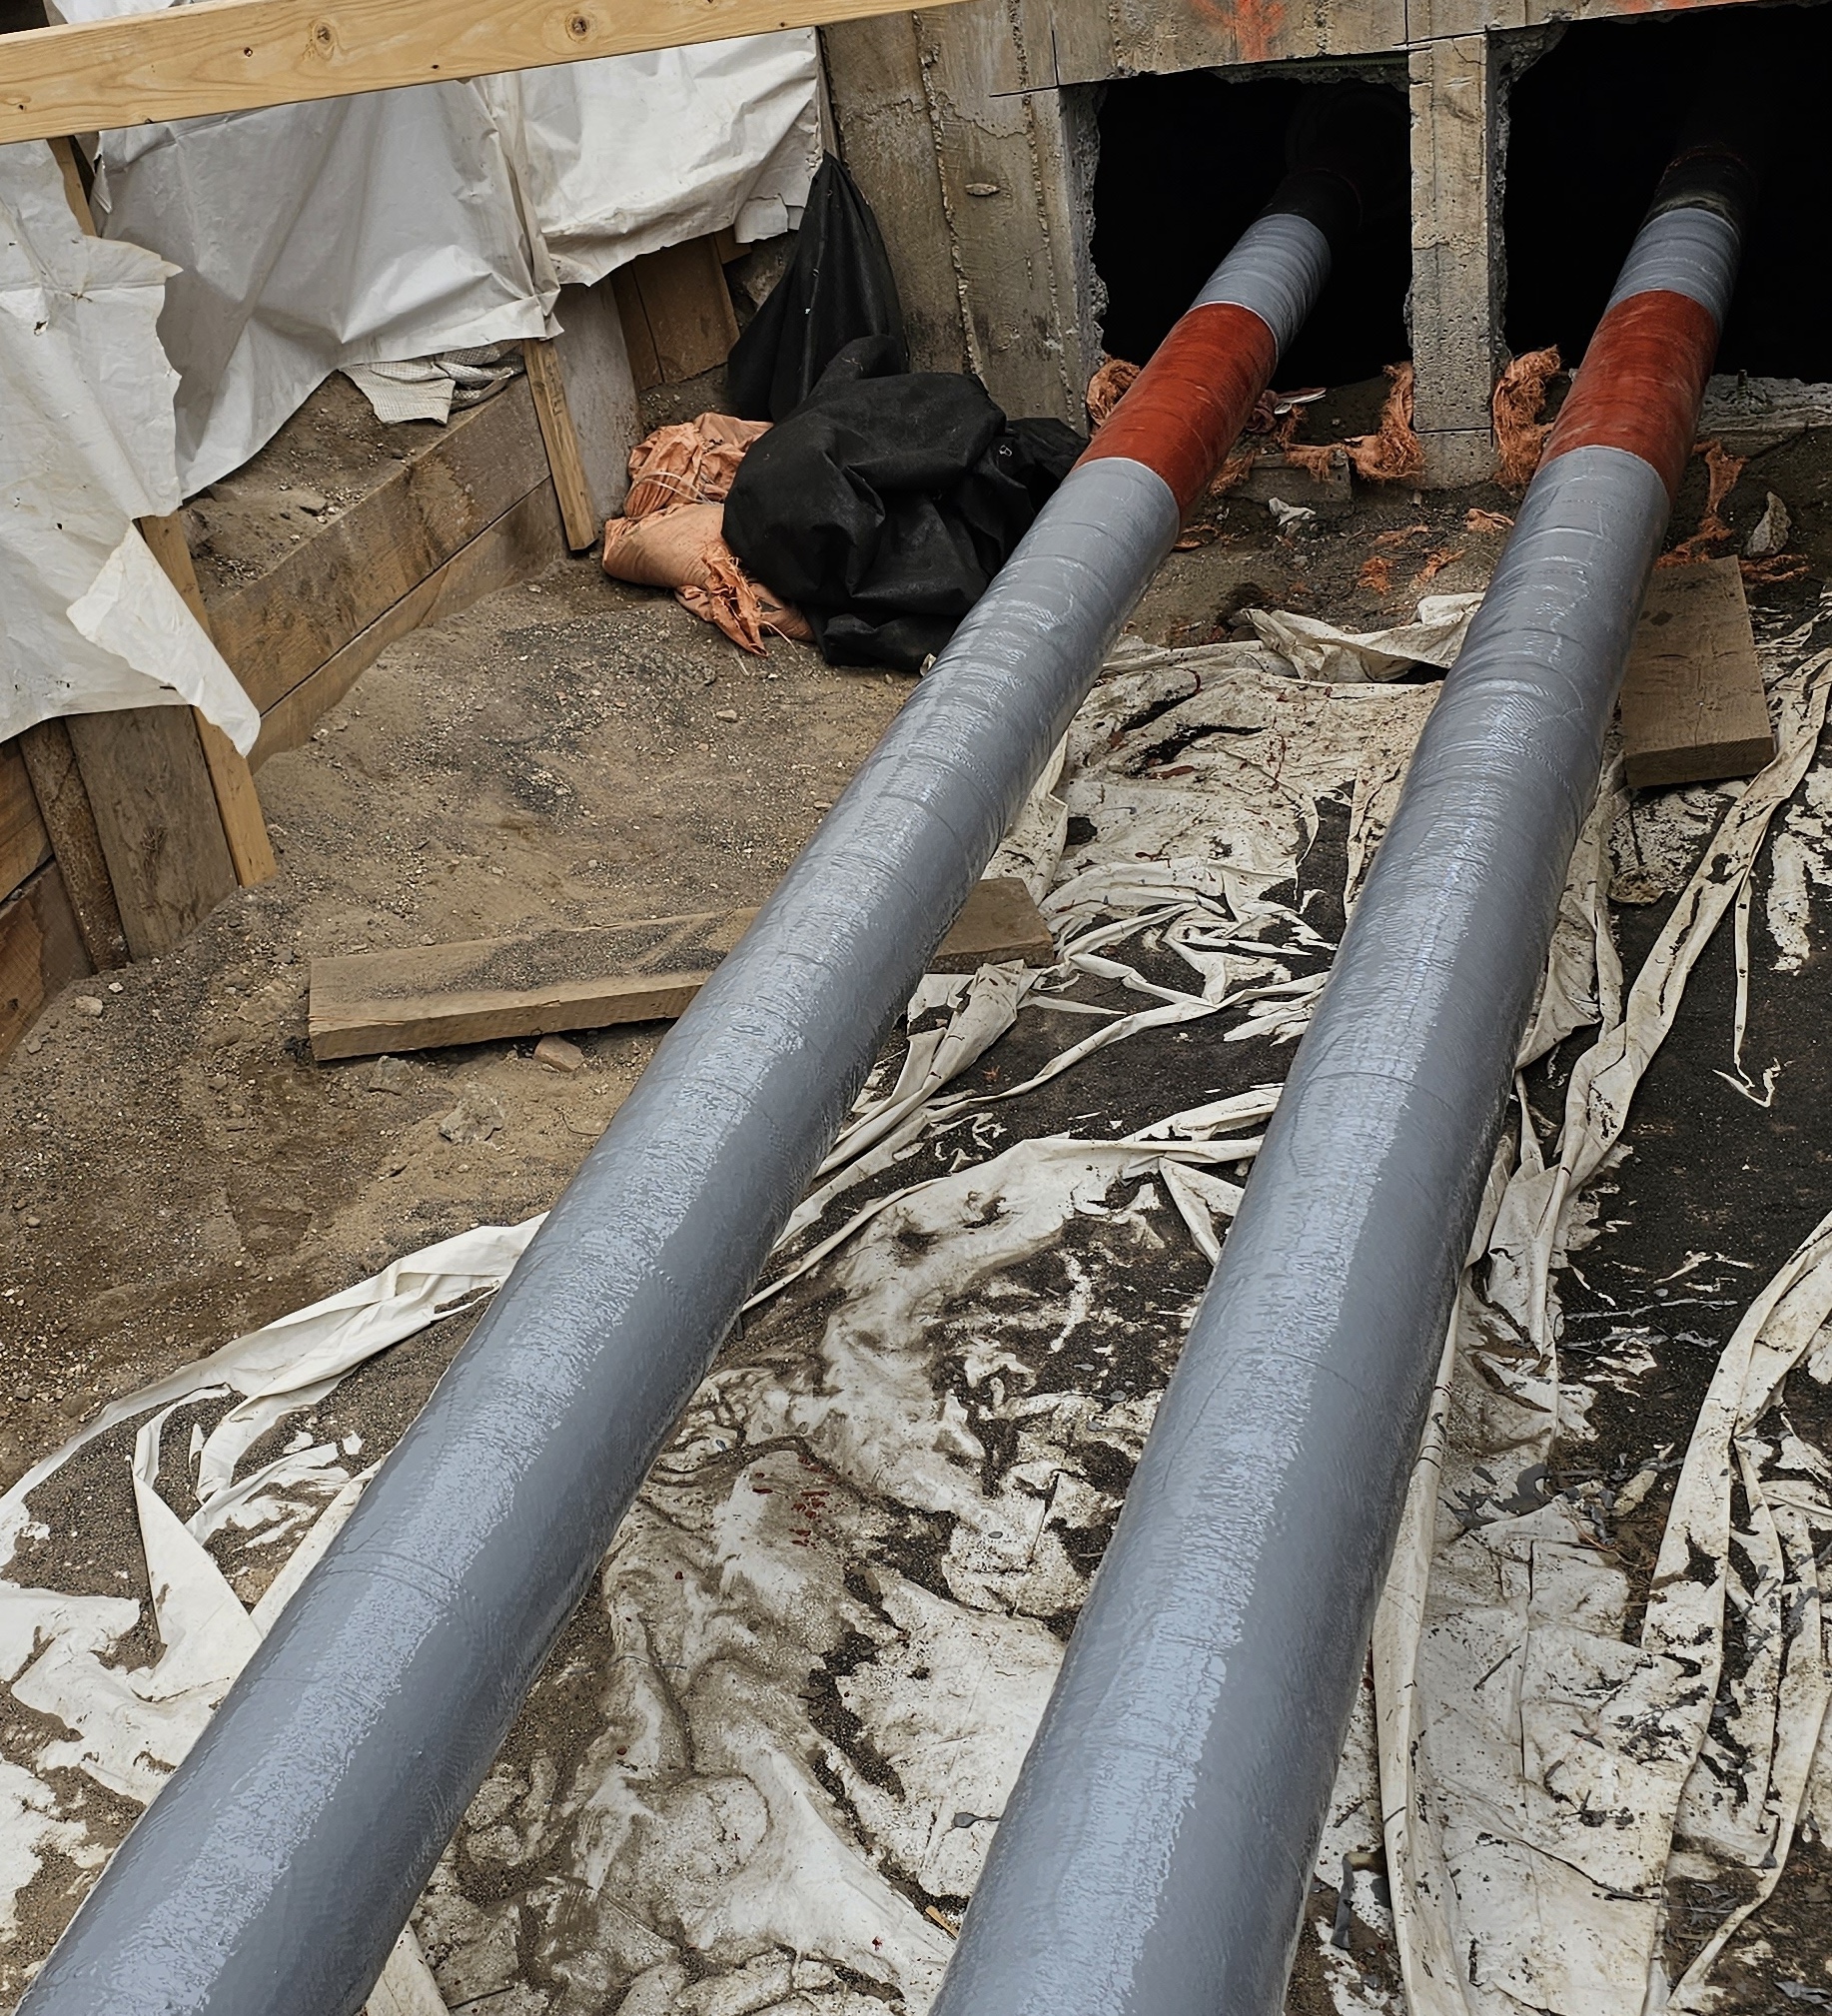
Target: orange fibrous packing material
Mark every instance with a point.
(1107, 387)
(1392, 453)
(1519, 433)
(672, 535)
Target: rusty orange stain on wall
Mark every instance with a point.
(1258, 26)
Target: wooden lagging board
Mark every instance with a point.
(491, 990)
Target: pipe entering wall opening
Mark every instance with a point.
(1185, 164)
(1590, 125)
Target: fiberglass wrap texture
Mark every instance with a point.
(1278, 269)
(1155, 1853)
(1690, 251)
(357, 1735)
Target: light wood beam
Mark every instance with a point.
(232, 55)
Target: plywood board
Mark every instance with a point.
(600, 392)
(41, 951)
(1693, 708)
(281, 629)
(489, 990)
(231, 55)
(676, 311)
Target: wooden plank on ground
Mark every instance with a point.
(281, 629)
(522, 543)
(41, 951)
(489, 990)
(560, 439)
(63, 804)
(231, 55)
(25, 846)
(677, 316)
(243, 825)
(1693, 707)
(156, 814)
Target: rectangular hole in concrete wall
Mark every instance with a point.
(1185, 164)
(1592, 122)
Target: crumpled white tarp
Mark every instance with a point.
(88, 620)
(632, 153)
(398, 224)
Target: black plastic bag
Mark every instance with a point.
(887, 502)
(837, 288)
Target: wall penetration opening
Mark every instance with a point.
(1185, 164)
(1591, 124)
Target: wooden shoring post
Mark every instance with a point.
(560, 439)
(232, 782)
(243, 825)
(63, 804)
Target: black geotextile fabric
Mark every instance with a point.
(837, 287)
(884, 505)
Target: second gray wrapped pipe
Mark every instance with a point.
(1155, 1856)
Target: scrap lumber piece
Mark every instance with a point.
(232, 55)
(156, 816)
(676, 313)
(41, 950)
(560, 439)
(70, 820)
(600, 392)
(25, 846)
(244, 823)
(1693, 708)
(488, 990)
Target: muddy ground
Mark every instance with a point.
(570, 751)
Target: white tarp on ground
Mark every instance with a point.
(88, 622)
(398, 224)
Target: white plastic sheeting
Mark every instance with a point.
(398, 224)
(348, 231)
(88, 620)
(632, 153)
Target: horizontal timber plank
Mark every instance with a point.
(522, 543)
(281, 629)
(41, 951)
(232, 55)
(489, 990)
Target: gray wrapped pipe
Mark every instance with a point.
(1154, 1854)
(276, 1869)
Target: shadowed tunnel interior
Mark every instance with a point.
(1591, 124)
(1185, 164)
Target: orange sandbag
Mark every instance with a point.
(691, 463)
(684, 550)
